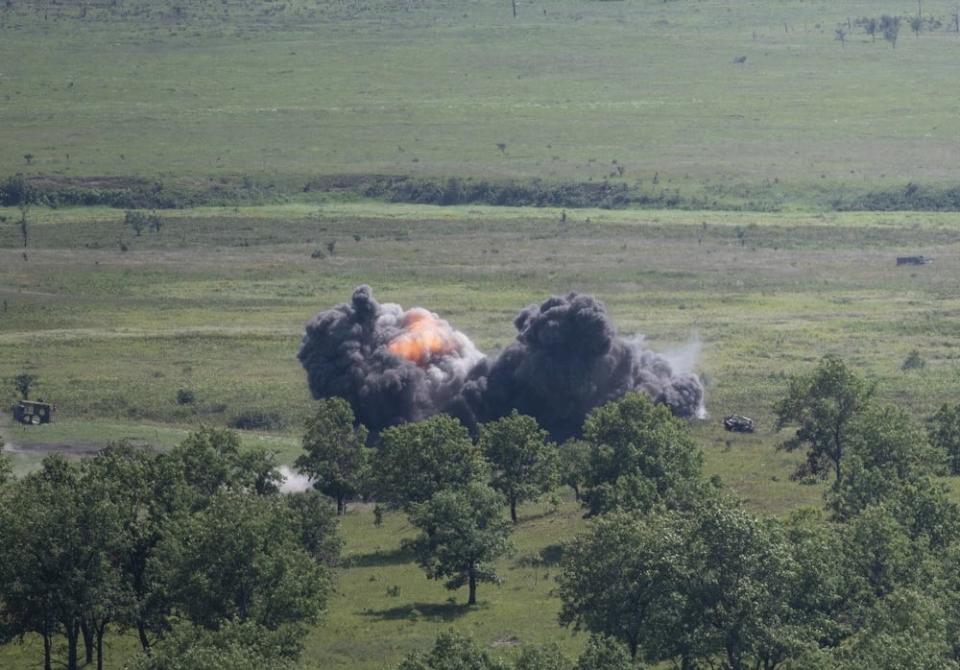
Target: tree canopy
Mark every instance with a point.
(641, 455)
(524, 461)
(463, 532)
(822, 404)
(335, 455)
(416, 460)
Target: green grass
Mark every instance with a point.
(287, 91)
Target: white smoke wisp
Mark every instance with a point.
(293, 482)
(685, 360)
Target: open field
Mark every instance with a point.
(216, 302)
(573, 90)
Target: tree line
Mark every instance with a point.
(673, 568)
(194, 551)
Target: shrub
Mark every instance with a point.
(257, 419)
(914, 361)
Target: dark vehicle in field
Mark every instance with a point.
(914, 260)
(738, 424)
(33, 413)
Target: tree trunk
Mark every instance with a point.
(513, 510)
(142, 633)
(73, 638)
(576, 493)
(341, 505)
(47, 665)
(472, 600)
(101, 630)
(87, 633)
(514, 8)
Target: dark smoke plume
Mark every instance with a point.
(346, 352)
(568, 359)
(395, 366)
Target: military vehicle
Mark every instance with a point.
(738, 424)
(914, 260)
(33, 413)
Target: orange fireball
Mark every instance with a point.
(425, 336)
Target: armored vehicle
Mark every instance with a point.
(738, 424)
(33, 413)
(913, 260)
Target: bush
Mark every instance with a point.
(914, 361)
(257, 420)
(185, 397)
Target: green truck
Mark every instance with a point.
(33, 413)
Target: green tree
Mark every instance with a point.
(452, 651)
(641, 455)
(316, 526)
(891, 464)
(574, 464)
(240, 558)
(234, 646)
(543, 658)
(885, 451)
(881, 557)
(944, 434)
(212, 459)
(709, 583)
(54, 536)
(462, 534)
(416, 460)
(617, 580)
(147, 493)
(605, 653)
(822, 404)
(336, 457)
(524, 461)
(23, 382)
(137, 221)
(907, 631)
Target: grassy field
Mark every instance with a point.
(217, 300)
(579, 90)
(639, 92)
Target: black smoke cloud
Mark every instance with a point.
(567, 359)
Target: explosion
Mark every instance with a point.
(425, 337)
(395, 366)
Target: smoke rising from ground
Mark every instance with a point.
(293, 482)
(395, 366)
